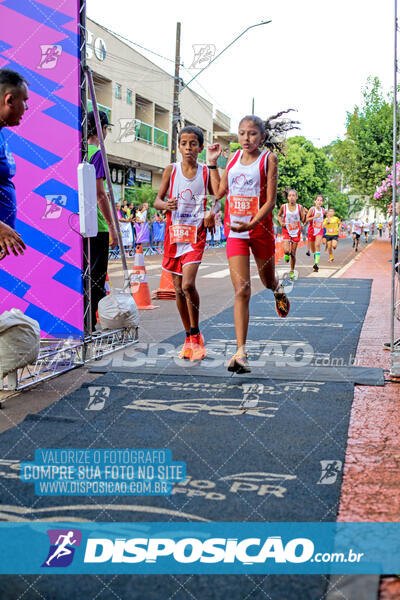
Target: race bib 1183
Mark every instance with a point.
(243, 206)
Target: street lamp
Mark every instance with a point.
(226, 48)
(178, 90)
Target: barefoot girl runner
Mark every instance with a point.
(185, 236)
(250, 181)
(291, 216)
(315, 218)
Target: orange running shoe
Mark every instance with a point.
(282, 303)
(198, 348)
(186, 351)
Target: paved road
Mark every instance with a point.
(215, 292)
(215, 286)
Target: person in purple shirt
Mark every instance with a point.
(107, 234)
(13, 104)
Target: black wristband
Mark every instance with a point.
(212, 166)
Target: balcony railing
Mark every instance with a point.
(105, 109)
(143, 131)
(160, 137)
(222, 162)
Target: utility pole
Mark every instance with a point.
(175, 106)
(252, 107)
(394, 352)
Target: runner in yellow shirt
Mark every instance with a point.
(332, 226)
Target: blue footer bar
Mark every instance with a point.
(200, 548)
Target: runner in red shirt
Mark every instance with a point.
(291, 216)
(250, 182)
(315, 217)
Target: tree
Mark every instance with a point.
(367, 149)
(233, 146)
(304, 168)
(140, 194)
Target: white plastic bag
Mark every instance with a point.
(19, 340)
(118, 310)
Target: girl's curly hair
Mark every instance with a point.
(274, 128)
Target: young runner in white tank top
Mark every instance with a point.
(315, 218)
(291, 216)
(187, 184)
(250, 182)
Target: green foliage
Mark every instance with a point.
(140, 194)
(304, 168)
(334, 198)
(234, 146)
(362, 157)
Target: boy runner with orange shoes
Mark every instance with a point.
(187, 184)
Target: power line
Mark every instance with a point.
(138, 45)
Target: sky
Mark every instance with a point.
(315, 56)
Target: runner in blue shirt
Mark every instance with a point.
(13, 98)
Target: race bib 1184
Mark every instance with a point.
(183, 234)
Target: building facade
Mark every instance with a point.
(138, 96)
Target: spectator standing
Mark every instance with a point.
(125, 223)
(13, 103)
(107, 234)
(141, 214)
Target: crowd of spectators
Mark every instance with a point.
(140, 224)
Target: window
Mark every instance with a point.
(118, 90)
(129, 96)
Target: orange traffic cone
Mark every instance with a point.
(107, 289)
(278, 248)
(166, 291)
(107, 285)
(139, 285)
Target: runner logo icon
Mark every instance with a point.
(98, 397)
(50, 56)
(330, 471)
(62, 547)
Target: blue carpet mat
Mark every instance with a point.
(273, 451)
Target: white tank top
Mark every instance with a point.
(245, 194)
(318, 218)
(291, 220)
(188, 218)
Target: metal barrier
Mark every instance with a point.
(60, 356)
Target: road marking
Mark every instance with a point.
(321, 300)
(323, 272)
(216, 274)
(120, 273)
(148, 267)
